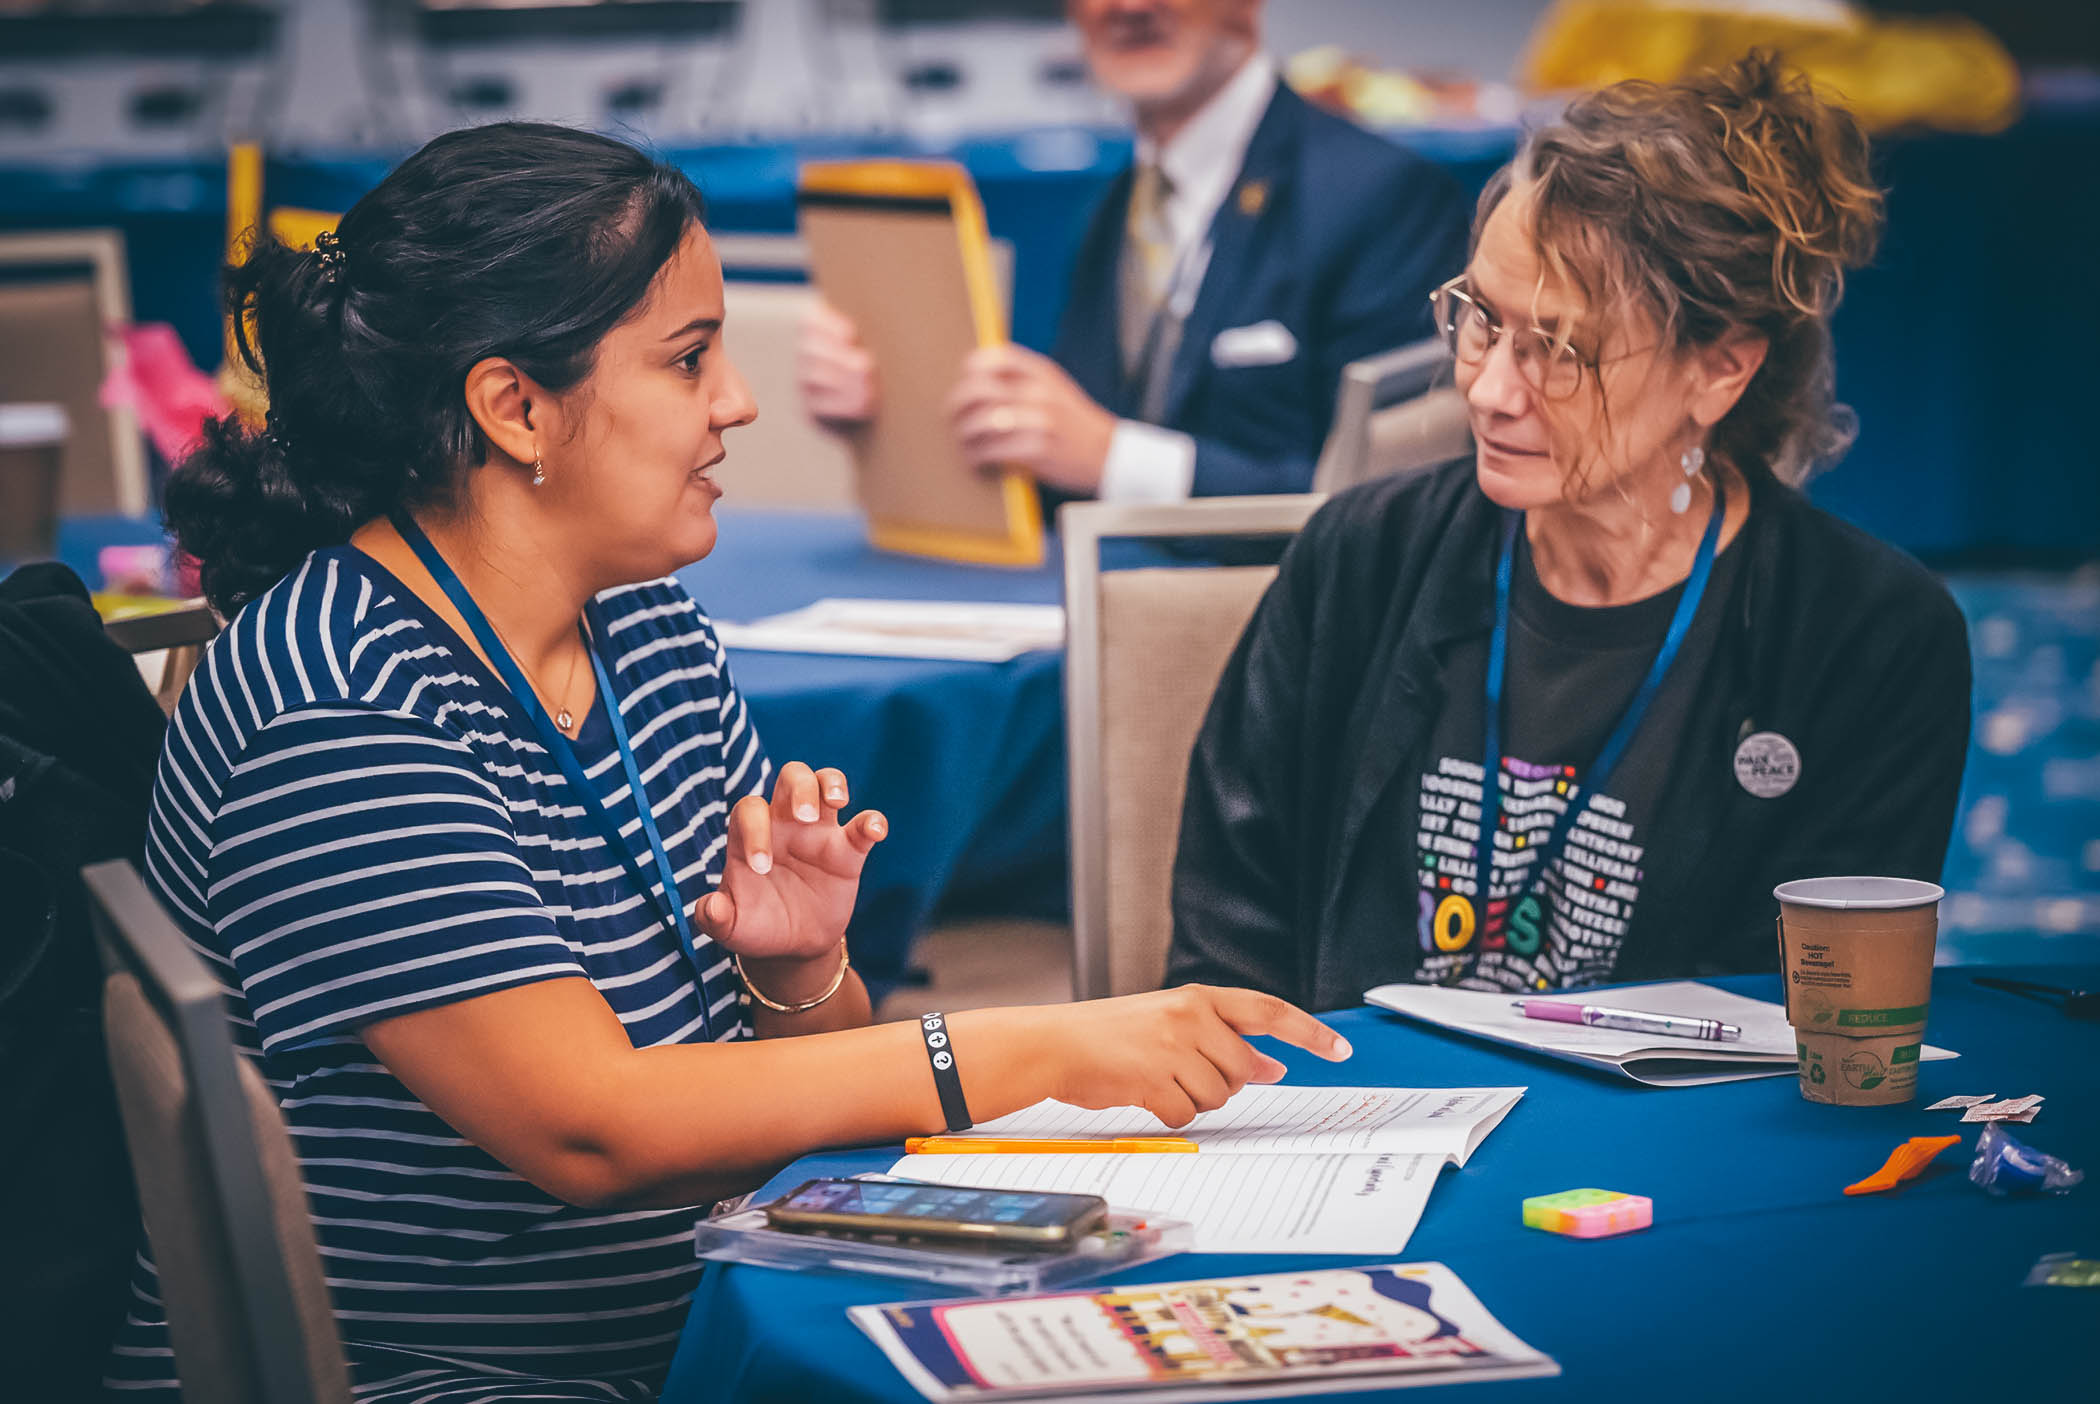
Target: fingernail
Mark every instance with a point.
(761, 863)
(1342, 1050)
(877, 827)
(807, 813)
(834, 797)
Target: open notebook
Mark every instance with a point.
(1766, 1048)
(1277, 1170)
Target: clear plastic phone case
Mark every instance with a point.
(988, 1270)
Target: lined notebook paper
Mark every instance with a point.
(1278, 1169)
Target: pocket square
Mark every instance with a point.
(1259, 344)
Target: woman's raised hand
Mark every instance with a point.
(791, 869)
(1173, 1052)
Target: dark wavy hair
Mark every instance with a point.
(520, 239)
(1726, 201)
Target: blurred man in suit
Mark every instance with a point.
(1256, 246)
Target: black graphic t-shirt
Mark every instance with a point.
(1571, 673)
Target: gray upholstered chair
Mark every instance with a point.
(219, 1185)
(1396, 412)
(1144, 648)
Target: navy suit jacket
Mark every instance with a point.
(1330, 230)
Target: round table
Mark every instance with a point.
(965, 759)
(1759, 1281)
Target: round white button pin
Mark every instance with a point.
(1767, 764)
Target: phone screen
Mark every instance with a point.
(872, 1207)
(1019, 1208)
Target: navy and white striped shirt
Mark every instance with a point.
(352, 821)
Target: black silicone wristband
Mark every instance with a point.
(946, 1080)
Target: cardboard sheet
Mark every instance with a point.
(900, 247)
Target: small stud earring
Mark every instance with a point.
(539, 471)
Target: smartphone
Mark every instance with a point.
(873, 1207)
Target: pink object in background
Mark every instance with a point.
(172, 399)
(136, 570)
(163, 386)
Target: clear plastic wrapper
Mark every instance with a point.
(2004, 1164)
(990, 1270)
(2064, 1270)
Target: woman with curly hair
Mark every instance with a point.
(1565, 713)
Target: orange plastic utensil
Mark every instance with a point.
(1904, 1163)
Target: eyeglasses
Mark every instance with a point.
(1548, 364)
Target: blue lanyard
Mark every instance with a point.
(669, 910)
(1614, 745)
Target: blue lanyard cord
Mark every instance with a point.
(669, 910)
(664, 871)
(1615, 744)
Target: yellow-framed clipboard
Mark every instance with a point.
(901, 248)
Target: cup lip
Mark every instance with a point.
(1899, 893)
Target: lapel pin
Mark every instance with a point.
(1253, 195)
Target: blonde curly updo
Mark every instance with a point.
(1726, 202)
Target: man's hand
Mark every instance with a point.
(1015, 408)
(833, 370)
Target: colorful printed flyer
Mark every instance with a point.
(1336, 1329)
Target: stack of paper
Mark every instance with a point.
(1245, 1337)
(1766, 1048)
(968, 633)
(1278, 1169)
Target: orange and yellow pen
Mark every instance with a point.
(992, 1145)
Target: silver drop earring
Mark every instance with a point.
(539, 471)
(1692, 460)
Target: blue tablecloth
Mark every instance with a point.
(966, 759)
(1760, 1280)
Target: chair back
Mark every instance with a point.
(177, 635)
(1144, 648)
(1396, 412)
(63, 295)
(219, 1184)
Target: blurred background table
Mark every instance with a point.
(965, 759)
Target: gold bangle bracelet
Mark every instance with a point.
(831, 989)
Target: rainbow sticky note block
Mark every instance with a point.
(1588, 1213)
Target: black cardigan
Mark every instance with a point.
(1835, 640)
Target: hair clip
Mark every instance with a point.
(329, 250)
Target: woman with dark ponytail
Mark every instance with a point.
(1564, 713)
(523, 1025)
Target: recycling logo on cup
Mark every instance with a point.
(1864, 1070)
(1767, 764)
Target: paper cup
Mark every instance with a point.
(1856, 954)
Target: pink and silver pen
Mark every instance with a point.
(1630, 1020)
